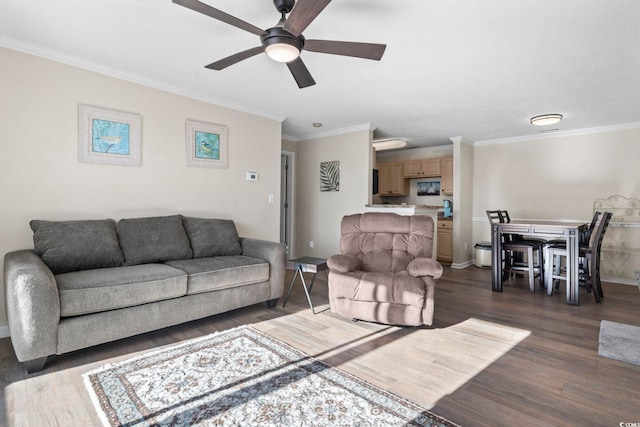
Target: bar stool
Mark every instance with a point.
(591, 254)
(516, 244)
(558, 244)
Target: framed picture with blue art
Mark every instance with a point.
(206, 145)
(109, 136)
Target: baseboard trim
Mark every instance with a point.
(461, 265)
(620, 281)
(4, 331)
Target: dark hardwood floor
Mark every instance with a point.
(490, 359)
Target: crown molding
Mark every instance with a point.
(461, 139)
(133, 78)
(334, 132)
(560, 134)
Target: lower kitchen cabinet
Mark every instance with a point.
(445, 241)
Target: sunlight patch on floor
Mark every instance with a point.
(423, 365)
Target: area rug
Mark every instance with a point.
(619, 341)
(243, 377)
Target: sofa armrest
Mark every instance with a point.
(344, 263)
(425, 267)
(272, 252)
(33, 305)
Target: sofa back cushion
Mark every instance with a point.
(153, 239)
(212, 237)
(77, 245)
(386, 241)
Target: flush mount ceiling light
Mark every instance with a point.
(546, 119)
(389, 143)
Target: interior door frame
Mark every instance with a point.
(287, 195)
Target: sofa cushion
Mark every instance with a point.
(212, 237)
(153, 239)
(92, 291)
(77, 245)
(209, 274)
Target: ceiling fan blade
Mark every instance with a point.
(233, 59)
(205, 9)
(360, 50)
(301, 73)
(302, 14)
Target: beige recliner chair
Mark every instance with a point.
(385, 272)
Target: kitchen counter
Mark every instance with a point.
(405, 209)
(403, 205)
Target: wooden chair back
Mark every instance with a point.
(495, 217)
(585, 237)
(599, 236)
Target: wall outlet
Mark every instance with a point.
(272, 197)
(466, 245)
(312, 244)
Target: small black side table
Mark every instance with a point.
(305, 265)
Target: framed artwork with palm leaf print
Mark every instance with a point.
(330, 176)
(206, 145)
(109, 136)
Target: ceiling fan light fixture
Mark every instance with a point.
(282, 51)
(282, 46)
(546, 119)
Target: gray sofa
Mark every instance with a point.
(93, 281)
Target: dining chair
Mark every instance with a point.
(552, 262)
(584, 237)
(590, 274)
(515, 244)
(584, 240)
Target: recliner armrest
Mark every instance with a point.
(425, 267)
(344, 263)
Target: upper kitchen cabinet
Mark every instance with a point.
(421, 168)
(391, 181)
(446, 180)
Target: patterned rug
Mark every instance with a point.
(242, 377)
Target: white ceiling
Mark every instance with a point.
(473, 68)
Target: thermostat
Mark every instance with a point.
(252, 176)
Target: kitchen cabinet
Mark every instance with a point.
(421, 168)
(445, 241)
(446, 180)
(391, 180)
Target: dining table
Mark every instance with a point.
(569, 230)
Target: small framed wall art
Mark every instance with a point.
(330, 176)
(109, 136)
(429, 188)
(206, 145)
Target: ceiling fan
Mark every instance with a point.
(284, 42)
